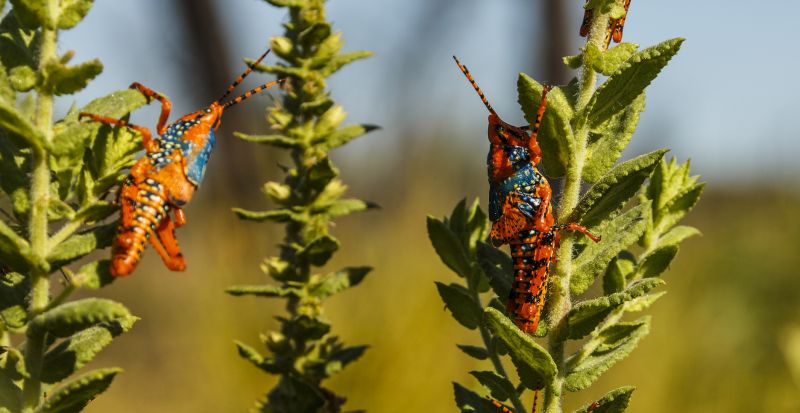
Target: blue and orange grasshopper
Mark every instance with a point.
(165, 179)
(521, 210)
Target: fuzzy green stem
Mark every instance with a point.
(40, 194)
(560, 298)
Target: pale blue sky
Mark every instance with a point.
(728, 100)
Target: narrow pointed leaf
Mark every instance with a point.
(617, 272)
(80, 245)
(272, 291)
(534, 364)
(619, 185)
(75, 395)
(67, 319)
(448, 247)
(587, 315)
(458, 300)
(615, 401)
(72, 354)
(617, 235)
(630, 80)
(657, 261)
(277, 215)
(469, 401)
(607, 141)
(278, 141)
(612, 345)
(499, 386)
(676, 235)
(475, 352)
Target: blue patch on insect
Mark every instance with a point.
(523, 182)
(197, 159)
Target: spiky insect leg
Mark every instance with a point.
(166, 245)
(166, 105)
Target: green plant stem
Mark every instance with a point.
(560, 298)
(486, 336)
(40, 198)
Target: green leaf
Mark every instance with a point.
(10, 395)
(448, 247)
(94, 275)
(497, 266)
(608, 140)
(469, 401)
(13, 365)
(252, 355)
(80, 245)
(70, 139)
(534, 364)
(117, 104)
(14, 288)
(615, 401)
(329, 121)
(270, 291)
(499, 386)
(587, 315)
(461, 304)
(643, 302)
(275, 215)
(75, 395)
(319, 251)
(555, 133)
(678, 207)
(11, 244)
(336, 282)
(618, 271)
(16, 123)
(72, 12)
(609, 195)
(609, 61)
(288, 3)
(676, 235)
(278, 141)
(477, 225)
(315, 34)
(656, 262)
(344, 356)
(617, 235)
(321, 174)
(475, 352)
(630, 80)
(348, 206)
(343, 135)
(32, 13)
(62, 80)
(612, 345)
(72, 354)
(339, 61)
(23, 78)
(72, 317)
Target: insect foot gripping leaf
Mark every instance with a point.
(166, 177)
(577, 132)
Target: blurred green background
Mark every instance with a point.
(723, 338)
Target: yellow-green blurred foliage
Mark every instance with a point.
(722, 338)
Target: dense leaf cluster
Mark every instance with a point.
(583, 133)
(55, 180)
(308, 124)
